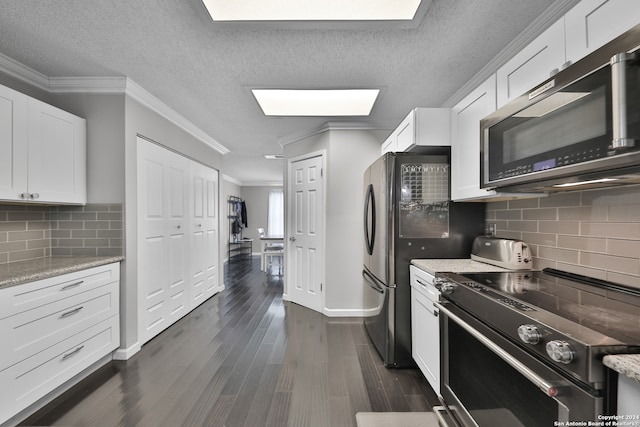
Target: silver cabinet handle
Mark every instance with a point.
(71, 312)
(540, 382)
(72, 285)
(292, 238)
(34, 196)
(72, 353)
(420, 282)
(179, 227)
(24, 195)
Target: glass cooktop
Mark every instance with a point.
(606, 307)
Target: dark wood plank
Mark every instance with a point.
(244, 358)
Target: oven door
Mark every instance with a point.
(489, 381)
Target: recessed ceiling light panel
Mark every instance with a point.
(311, 10)
(316, 102)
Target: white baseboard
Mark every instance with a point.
(331, 312)
(126, 353)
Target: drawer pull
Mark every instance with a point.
(71, 312)
(420, 282)
(72, 353)
(72, 285)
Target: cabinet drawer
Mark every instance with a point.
(16, 299)
(31, 379)
(32, 331)
(422, 282)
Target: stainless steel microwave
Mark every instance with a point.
(579, 129)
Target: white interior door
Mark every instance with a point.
(305, 199)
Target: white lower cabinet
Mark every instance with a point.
(425, 326)
(628, 397)
(54, 329)
(177, 237)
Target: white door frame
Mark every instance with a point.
(323, 222)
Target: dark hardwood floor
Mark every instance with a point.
(244, 358)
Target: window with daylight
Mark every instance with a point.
(275, 217)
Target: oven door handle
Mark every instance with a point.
(540, 382)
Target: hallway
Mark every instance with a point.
(244, 358)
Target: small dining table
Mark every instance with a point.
(264, 241)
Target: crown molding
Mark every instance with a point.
(137, 92)
(231, 180)
(327, 126)
(21, 72)
(262, 184)
(106, 84)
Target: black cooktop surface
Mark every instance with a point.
(609, 308)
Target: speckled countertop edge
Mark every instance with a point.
(624, 364)
(17, 273)
(464, 265)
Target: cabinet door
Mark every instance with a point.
(389, 145)
(13, 144)
(406, 133)
(592, 23)
(465, 144)
(57, 155)
(532, 65)
(425, 333)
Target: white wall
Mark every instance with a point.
(105, 149)
(228, 189)
(352, 151)
(257, 200)
(349, 153)
(140, 120)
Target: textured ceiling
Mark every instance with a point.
(205, 71)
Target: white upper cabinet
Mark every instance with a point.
(592, 23)
(465, 141)
(42, 152)
(57, 155)
(13, 143)
(390, 144)
(421, 127)
(532, 65)
(587, 26)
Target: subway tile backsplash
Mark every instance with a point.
(595, 233)
(30, 232)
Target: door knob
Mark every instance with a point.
(292, 238)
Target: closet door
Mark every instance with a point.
(162, 238)
(204, 232)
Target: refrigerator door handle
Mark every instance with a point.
(372, 282)
(370, 200)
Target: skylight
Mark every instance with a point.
(311, 10)
(316, 102)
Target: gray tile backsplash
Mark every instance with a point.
(30, 232)
(595, 233)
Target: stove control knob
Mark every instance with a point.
(529, 334)
(560, 351)
(447, 288)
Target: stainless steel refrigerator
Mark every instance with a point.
(408, 215)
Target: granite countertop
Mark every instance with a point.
(465, 265)
(624, 364)
(20, 272)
